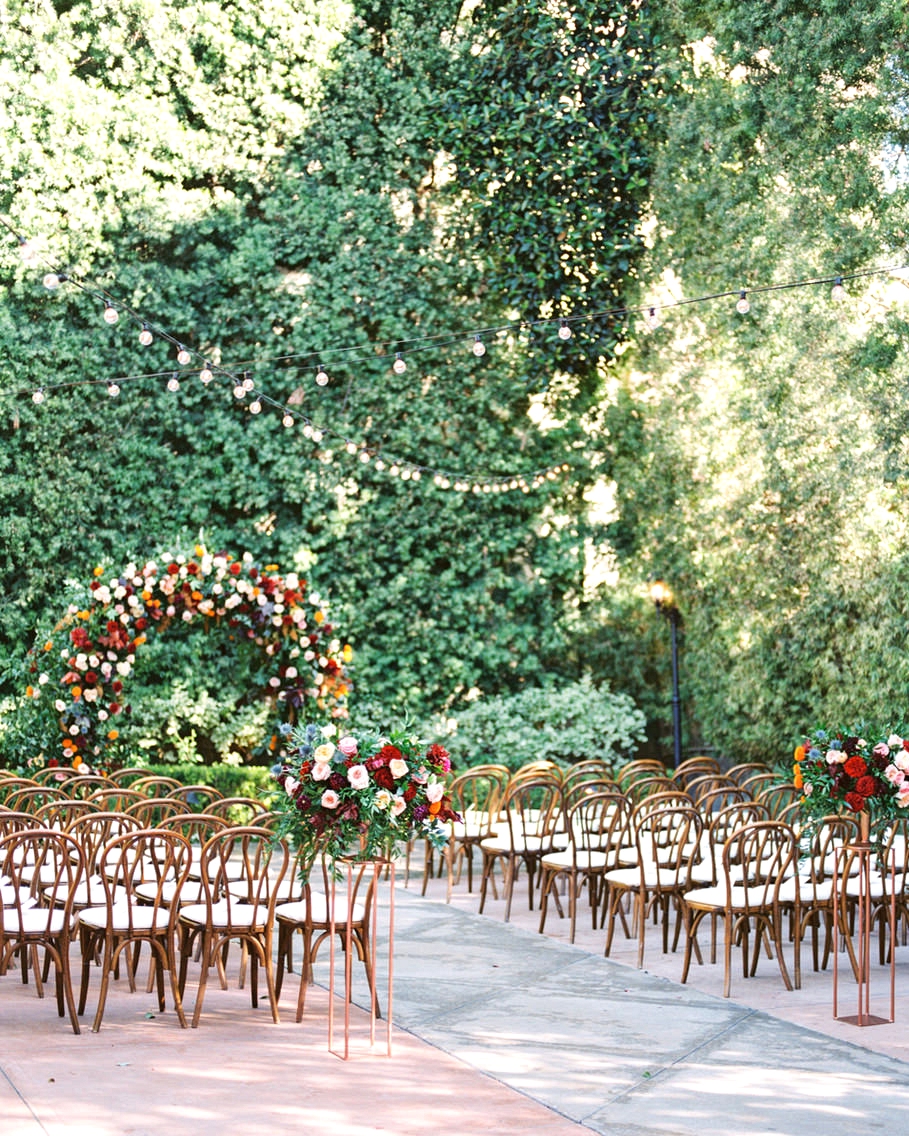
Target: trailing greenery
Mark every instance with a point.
(562, 723)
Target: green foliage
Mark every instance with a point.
(562, 723)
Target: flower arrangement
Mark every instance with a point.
(78, 675)
(364, 795)
(841, 771)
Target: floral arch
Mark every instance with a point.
(77, 693)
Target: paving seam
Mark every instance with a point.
(25, 1103)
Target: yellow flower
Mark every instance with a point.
(319, 617)
(347, 653)
(99, 571)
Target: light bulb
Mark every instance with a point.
(111, 315)
(399, 366)
(317, 435)
(380, 465)
(248, 384)
(307, 429)
(287, 420)
(38, 396)
(205, 375)
(239, 391)
(145, 336)
(321, 378)
(255, 407)
(838, 292)
(51, 281)
(351, 447)
(364, 456)
(479, 347)
(742, 306)
(173, 384)
(416, 475)
(113, 390)
(653, 319)
(27, 251)
(564, 330)
(183, 356)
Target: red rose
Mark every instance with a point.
(114, 708)
(410, 792)
(173, 569)
(866, 786)
(855, 766)
(116, 686)
(383, 778)
(192, 569)
(855, 801)
(141, 623)
(235, 569)
(91, 678)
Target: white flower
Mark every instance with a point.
(321, 771)
(91, 694)
(397, 767)
(274, 682)
(291, 672)
(123, 668)
(81, 662)
(102, 715)
(383, 799)
(290, 786)
(187, 617)
(60, 705)
(398, 806)
(324, 752)
(42, 679)
(434, 793)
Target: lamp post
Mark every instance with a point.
(662, 596)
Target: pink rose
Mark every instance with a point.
(321, 771)
(330, 799)
(434, 793)
(358, 776)
(881, 750)
(348, 745)
(397, 767)
(894, 775)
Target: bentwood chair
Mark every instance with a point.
(38, 912)
(230, 914)
(137, 869)
(313, 917)
(758, 860)
(476, 796)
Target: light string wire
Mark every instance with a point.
(238, 374)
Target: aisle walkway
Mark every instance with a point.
(498, 1030)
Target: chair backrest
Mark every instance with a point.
(84, 785)
(479, 791)
(670, 837)
(575, 791)
(94, 830)
(763, 854)
(532, 809)
(196, 797)
(601, 822)
(197, 828)
(127, 777)
(644, 787)
(11, 821)
(115, 798)
(30, 798)
(235, 810)
(52, 775)
(821, 847)
(243, 866)
(61, 814)
(154, 858)
(155, 784)
(694, 767)
(778, 797)
(151, 811)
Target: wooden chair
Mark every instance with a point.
(235, 810)
(127, 777)
(757, 861)
(597, 826)
(30, 798)
(230, 914)
(668, 845)
(476, 796)
(196, 797)
(151, 811)
(38, 911)
(155, 860)
(155, 784)
(84, 785)
(61, 814)
(311, 916)
(532, 810)
(115, 798)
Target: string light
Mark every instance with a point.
(113, 390)
(742, 304)
(287, 420)
(479, 347)
(239, 391)
(38, 396)
(173, 384)
(255, 407)
(653, 318)
(248, 384)
(145, 336)
(399, 366)
(183, 356)
(838, 292)
(317, 435)
(205, 375)
(321, 377)
(564, 331)
(111, 315)
(27, 251)
(52, 281)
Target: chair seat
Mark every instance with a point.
(735, 898)
(33, 921)
(318, 910)
(122, 919)
(224, 915)
(586, 860)
(191, 892)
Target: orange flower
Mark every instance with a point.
(435, 807)
(48, 646)
(797, 779)
(800, 752)
(77, 693)
(319, 617)
(77, 761)
(99, 571)
(29, 691)
(113, 735)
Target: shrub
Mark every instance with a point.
(564, 724)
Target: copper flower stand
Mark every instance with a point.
(347, 882)
(855, 862)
